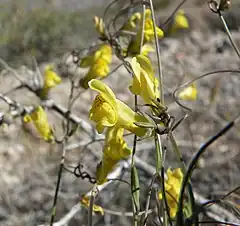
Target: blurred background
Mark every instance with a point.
(48, 30)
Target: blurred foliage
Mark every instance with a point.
(49, 32)
(42, 32)
(45, 32)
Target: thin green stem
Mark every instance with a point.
(90, 209)
(160, 74)
(134, 177)
(143, 25)
(149, 199)
(61, 167)
(184, 169)
(229, 34)
(63, 142)
(159, 152)
(177, 152)
(167, 217)
(160, 171)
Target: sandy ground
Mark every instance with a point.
(29, 166)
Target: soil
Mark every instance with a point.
(29, 166)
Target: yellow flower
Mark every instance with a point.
(107, 111)
(149, 28)
(189, 93)
(134, 45)
(115, 149)
(145, 84)
(104, 51)
(180, 22)
(51, 79)
(132, 23)
(99, 64)
(172, 189)
(86, 202)
(40, 121)
(146, 49)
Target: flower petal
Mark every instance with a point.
(135, 88)
(39, 118)
(189, 93)
(102, 113)
(180, 20)
(172, 189)
(128, 118)
(86, 202)
(104, 91)
(115, 149)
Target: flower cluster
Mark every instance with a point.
(98, 62)
(134, 24)
(108, 112)
(51, 79)
(144, 84)
(39, 118)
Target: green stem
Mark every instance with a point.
(229, 34)
(160, 74)
(159, 153)
(143, 25)
(61, 167)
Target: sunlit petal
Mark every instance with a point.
(115, 149)
(189, 93)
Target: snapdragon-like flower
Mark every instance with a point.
(98, 63)
(51, 79)
(115, 149)
(149, 28)
(132, 23)
(148, 34)
(40, 121)
(108, 111)
(189, 93)
(144, 84)
(172, 188)
(180, 22)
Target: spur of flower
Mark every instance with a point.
(51, 79)
(144, 83)
(148, 33)
(172, 189)
(98, 62)
(108, 111)
(39, 118)
(115, 149)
